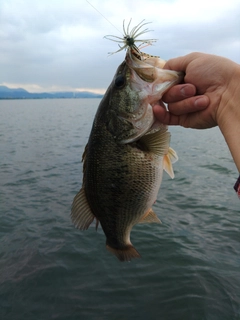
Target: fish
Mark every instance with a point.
(126, 153)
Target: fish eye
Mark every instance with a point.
(120, 81)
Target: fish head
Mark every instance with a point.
(136, 87)
(150, 69)
(127, 117)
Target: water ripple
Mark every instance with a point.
(49, 270)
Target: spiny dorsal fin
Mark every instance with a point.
(84, 157)
(81, 213)
(168, 159)
(157, 142)
(150, 217)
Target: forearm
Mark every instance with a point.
(229, 116)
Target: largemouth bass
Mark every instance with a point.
(126, 154)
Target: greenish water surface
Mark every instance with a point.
(190, 265)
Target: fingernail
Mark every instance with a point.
(187, 91)
(201, 102)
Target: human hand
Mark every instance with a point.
(210, 96)
(197, 103)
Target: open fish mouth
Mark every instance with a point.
(150, 68)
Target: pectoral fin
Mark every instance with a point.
(168, 159)
(157, 142)
(81, 213)
(150, 217)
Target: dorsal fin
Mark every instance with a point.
(157, 142)
(84, 157)
(150, 217)
(81, 213)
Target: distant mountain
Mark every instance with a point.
(7, 93)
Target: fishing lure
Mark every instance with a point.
(130, 38)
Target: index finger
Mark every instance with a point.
(180, 63)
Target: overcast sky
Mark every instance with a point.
(53, 45)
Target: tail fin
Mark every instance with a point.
(124, 254)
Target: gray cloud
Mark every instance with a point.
(60, 43)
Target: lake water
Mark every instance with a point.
(190, 265)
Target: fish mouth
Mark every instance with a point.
(150, 68)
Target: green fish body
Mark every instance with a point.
(125, 156)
